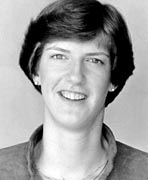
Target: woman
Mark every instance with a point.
(78, 55)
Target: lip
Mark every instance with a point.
(75, 96)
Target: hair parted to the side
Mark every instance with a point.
(82, 20)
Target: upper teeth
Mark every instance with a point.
(73, 95)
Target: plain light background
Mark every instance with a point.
(21, 107)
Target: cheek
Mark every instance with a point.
(51, 71)
(99, 89)
(100, 81)
(50, 81)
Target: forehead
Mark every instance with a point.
(99, 42)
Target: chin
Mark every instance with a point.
(72, 122)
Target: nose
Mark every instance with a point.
(76, 73)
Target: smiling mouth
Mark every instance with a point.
(73, 96)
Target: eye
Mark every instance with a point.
(59, 57)
(95, 61)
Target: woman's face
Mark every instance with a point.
(75, 79)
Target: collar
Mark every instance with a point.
(37, 137)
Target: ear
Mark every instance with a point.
(112, 88)
(36, 80)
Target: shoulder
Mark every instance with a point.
(131, 155)
(130, 163)
(13, 161)
(123, 149)
(14, 153)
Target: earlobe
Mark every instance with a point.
(36, 80)
(112, 88)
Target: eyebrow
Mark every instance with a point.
(98, 53)
(58, 49)
(87, 54)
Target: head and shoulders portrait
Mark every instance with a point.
(78, 55)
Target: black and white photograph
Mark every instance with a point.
(74, 90)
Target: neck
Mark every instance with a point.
(69, 153)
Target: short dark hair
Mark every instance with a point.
(83, 20)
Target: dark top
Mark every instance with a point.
(124, 162)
